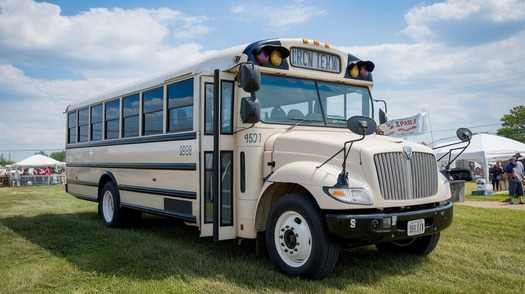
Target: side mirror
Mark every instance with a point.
(250, 110)
(361, 125)
(250, 77)
(464, 134)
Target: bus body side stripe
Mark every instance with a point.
(144, 190)
(163, 192)
(129, 165)
(135, 140)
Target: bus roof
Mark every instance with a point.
(221, 59)
(224, 60)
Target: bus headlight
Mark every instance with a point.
(350, 195)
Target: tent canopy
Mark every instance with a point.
(485, 148)
(38, 160)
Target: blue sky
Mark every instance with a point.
(461, 61)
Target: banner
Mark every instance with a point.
(414, 125)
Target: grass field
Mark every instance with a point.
(51, 242)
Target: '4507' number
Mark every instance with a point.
(252, 138)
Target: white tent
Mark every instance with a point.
(38, 160)
(485, 149)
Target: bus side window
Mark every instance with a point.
(180, 106)
(83, 124)
(130, 116)
(72, 127)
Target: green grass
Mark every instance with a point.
(500, 196)
(51, 242)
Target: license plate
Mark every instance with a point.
(415, 227)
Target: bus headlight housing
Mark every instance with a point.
(350, 195)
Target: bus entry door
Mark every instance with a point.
(217, 201)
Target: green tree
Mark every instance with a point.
(513, 124)
(60, 156)
(4, 161)
(42, 152)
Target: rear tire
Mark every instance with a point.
(420, 246)
(109, 206)
(297, 238)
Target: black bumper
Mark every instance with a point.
(383, 227)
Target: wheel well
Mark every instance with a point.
(274, 192)
(106, 177)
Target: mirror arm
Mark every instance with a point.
(455, 157)
(346, 152)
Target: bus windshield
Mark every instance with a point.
(288, 100)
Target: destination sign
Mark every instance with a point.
(315, 60)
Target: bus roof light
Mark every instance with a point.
(263, 56)
(361, 68)
(274, 54)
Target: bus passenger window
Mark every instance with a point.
(83, 123)
(152, 109)
(96, 122)
(72, 127)
(180, 106)
(130, 115)
(112, 119)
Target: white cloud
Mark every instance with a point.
(425, 22)
(278, 17)
(97, 36)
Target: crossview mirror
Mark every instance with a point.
(250, 77)
(361, 125)
(464, 134)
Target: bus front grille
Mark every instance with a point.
(401, 178)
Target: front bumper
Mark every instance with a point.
(384, 227)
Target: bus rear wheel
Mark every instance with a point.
(109, 206)
(297, 239)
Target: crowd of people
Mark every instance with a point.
(32, 176)
(509, 178)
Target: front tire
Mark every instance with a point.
(420, 246)
(297, 238)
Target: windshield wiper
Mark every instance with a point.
(301, 120)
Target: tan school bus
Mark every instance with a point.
(273, 141)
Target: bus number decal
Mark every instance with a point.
(253, 138)
(185, 150)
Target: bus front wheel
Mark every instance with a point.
(297, 239)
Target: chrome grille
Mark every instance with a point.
(404, 179)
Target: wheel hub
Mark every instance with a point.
(290, 238)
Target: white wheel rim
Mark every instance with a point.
(108, 206)
(293, 239)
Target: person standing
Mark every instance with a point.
(514, 171)
(496, 174)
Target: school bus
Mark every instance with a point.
(274, 141)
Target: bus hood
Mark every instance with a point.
(320, 146)
(391, 170)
